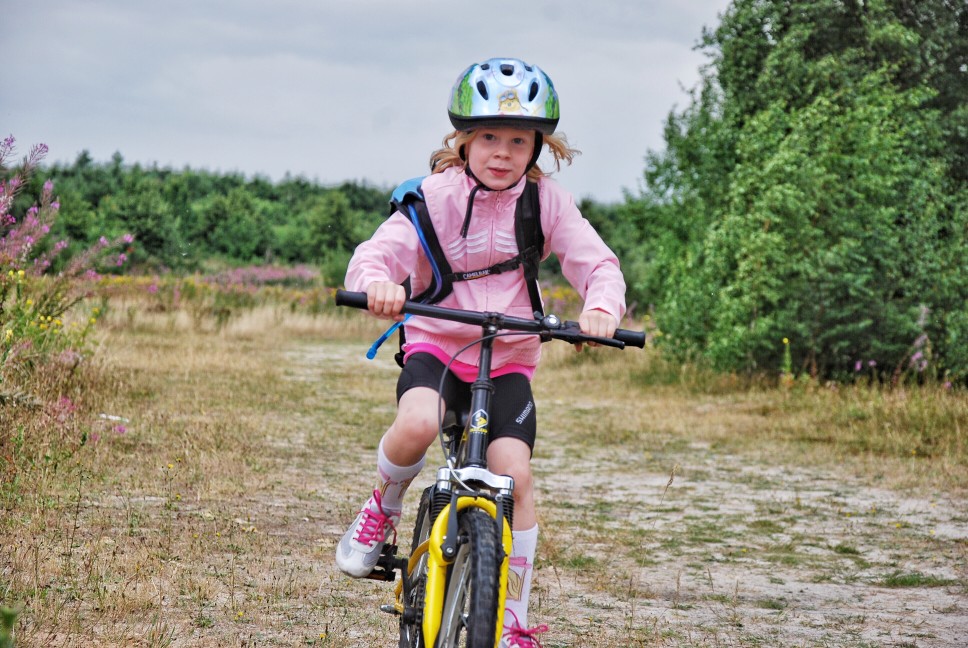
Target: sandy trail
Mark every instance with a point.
(735, 551)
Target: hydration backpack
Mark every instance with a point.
(409, 200)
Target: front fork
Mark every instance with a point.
(443, 537)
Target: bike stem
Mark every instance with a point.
(481, 391)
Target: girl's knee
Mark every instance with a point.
(512, 457)
(523, 482)
(413, 430)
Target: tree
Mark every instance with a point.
(808, 193)
(233, 225)
(139, 208)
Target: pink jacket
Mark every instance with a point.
(394, 252)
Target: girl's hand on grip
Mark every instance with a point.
(385, 300)
(597, 323)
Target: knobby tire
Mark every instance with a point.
(470, 603)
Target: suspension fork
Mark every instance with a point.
(437, 563)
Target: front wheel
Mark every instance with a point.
(470, 605)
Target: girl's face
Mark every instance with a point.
(498, 157)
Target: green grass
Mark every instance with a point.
(913, 579)
(676, 508)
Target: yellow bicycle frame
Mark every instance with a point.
(437, 569)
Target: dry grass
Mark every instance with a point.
(685, 511)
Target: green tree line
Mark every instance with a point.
(815, 188)
(184, 219)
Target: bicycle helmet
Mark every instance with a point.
(504, 92)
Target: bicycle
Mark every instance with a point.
(452, 585)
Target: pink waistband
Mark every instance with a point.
(466, 372)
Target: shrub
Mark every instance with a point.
(44, 325)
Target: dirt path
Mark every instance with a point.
(245, 458)
(735, 551)
(741, 553)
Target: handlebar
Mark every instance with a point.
(549, 326)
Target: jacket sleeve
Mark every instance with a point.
(587, 262)
(389, 255)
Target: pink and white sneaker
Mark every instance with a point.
(360, 548)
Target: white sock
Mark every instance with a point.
(524, 545)
(393, 480)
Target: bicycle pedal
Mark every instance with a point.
(386, 565)
(389, 608)
(384, 575)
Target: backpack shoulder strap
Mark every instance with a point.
(530, 240)
(408, 199)
(406, 191)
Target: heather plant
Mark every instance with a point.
(220, 296)
(42, 316)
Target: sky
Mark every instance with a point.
(334, 91)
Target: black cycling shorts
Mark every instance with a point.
(512, 404)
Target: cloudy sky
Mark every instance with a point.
(336, 90)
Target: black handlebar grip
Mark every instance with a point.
(631, 338)
(353, 299)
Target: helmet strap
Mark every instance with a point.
(538, 143)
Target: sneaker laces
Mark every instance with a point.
(373, 525)
(519, 636)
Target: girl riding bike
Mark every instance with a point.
(504, 112)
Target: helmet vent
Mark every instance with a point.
(507, 69)
(533, 92)
(482, 89)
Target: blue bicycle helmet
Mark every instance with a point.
(504, 92)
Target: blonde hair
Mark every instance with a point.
(449, 155)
